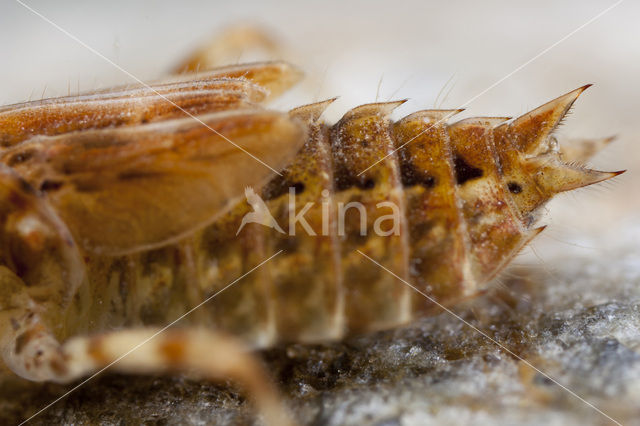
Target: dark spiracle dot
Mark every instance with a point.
(428, 182)
(367, 184)
(298, 188)
(50, 185)
(514, 187)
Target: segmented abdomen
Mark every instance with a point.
(389, 220)
(321, 286)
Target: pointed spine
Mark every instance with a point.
(529, 133)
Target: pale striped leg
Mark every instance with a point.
(211, 355)
(229, 46)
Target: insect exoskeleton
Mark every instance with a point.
(467, 196)
(123, 209)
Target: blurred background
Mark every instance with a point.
(363, 50)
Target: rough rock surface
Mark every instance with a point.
(576, 318)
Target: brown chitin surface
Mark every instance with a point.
(45, 256)
(275, 76)
(222, 256)
(374, 299)
(125, 108)
(307, 276)
(294, 297)
(138, 289)
(222, 89)
(436, 228)
(457, 187)
(119, 190)
(531, 162)
(494, 231)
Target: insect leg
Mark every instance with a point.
(244, 52)
(207, 353)
(229, 46)
(41, 271)
(32, 351)
(27, 345)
